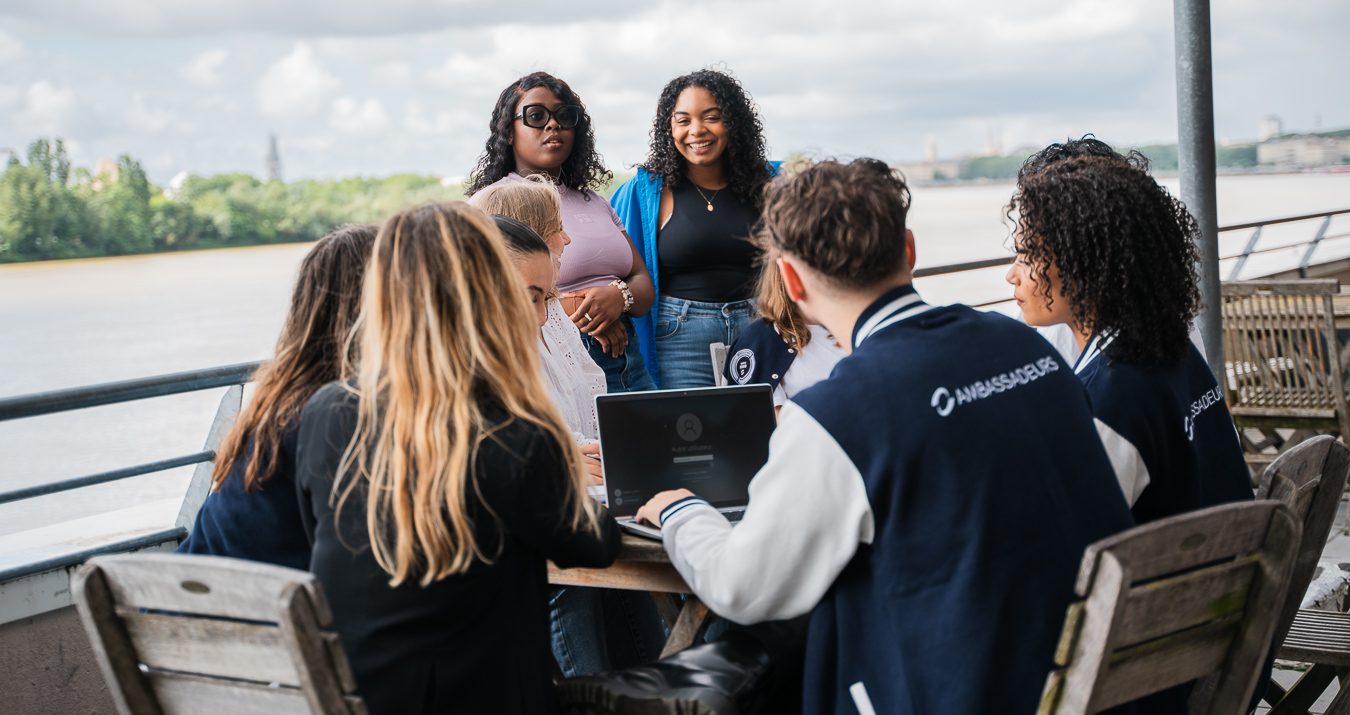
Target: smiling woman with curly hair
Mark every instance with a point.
(692, 207)
(1103, 248)
(540, 127)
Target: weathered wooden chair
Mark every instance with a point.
(1284, 364)
(199, 634)
(1309, 480)
(1189, 597)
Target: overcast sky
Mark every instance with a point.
(357, 87)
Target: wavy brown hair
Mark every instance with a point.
(309, 353)
(775, 306)
(447, 339)
(1125, 250)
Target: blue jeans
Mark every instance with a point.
(685, 329)
(593, 630)
(626, 373)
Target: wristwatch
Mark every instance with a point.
(627, 294)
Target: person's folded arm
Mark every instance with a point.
(808, 513)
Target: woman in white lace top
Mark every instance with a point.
(572, 377)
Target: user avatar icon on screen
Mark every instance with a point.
(689, 427)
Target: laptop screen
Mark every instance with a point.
(710, 441)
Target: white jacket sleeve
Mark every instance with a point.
(808, 512)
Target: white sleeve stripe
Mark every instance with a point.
(677, 507)
(1126, 461)
(807, 514)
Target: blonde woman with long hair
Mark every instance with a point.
(438, 481)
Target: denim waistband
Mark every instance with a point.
(683, 306)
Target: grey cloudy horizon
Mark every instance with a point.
(362, 89)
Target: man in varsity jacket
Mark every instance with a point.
(929, 503)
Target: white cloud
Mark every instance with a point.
(47, 108)
(204, 69)
(394, 72)
(295, 85)
(8, 96)
(10, 48)
(152, 120)
(352, 116)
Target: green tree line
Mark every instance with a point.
(48, 209)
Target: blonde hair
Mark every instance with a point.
(444, 330)
(533, 202)
(777, 307)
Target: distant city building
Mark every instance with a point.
(106, 174)
(273, 159)
(1270, 128)
(175, 186)
(1304, 150)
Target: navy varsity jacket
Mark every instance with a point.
(928, 504)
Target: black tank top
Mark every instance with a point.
(707, 255)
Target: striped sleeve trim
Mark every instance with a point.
(681, 505)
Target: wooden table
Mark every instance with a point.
(644, 566)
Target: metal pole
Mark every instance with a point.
(1195, 150)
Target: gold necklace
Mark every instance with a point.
(705, 196)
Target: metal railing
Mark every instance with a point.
(43, 585)
(45, 403)
(1248, 250)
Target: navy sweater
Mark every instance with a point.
(260, 526)
(1167, 431)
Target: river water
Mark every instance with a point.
(72, 323)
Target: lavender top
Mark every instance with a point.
(600, 251)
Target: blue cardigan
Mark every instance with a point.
(638, 204)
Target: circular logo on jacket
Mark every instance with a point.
(743, 365)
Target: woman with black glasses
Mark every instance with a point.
(540, 126)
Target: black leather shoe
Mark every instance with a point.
(720, 678)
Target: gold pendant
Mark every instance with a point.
(710, 208)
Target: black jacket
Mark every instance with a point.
(477, 642)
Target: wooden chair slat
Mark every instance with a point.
(226, 649)
(1167, 662)
(163, 582)
(1166, 606)
(195, 695)
(1165, 547)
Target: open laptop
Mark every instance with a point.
(709, 440)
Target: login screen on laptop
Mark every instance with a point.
(710, 441)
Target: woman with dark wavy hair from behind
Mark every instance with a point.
(692, 207)
(1103, 248)
(539, 126)
(252, 512)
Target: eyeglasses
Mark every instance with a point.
(536, 116)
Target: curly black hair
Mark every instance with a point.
(1086, 145)
(584, 168)
(1124, 248)
(746, 165)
